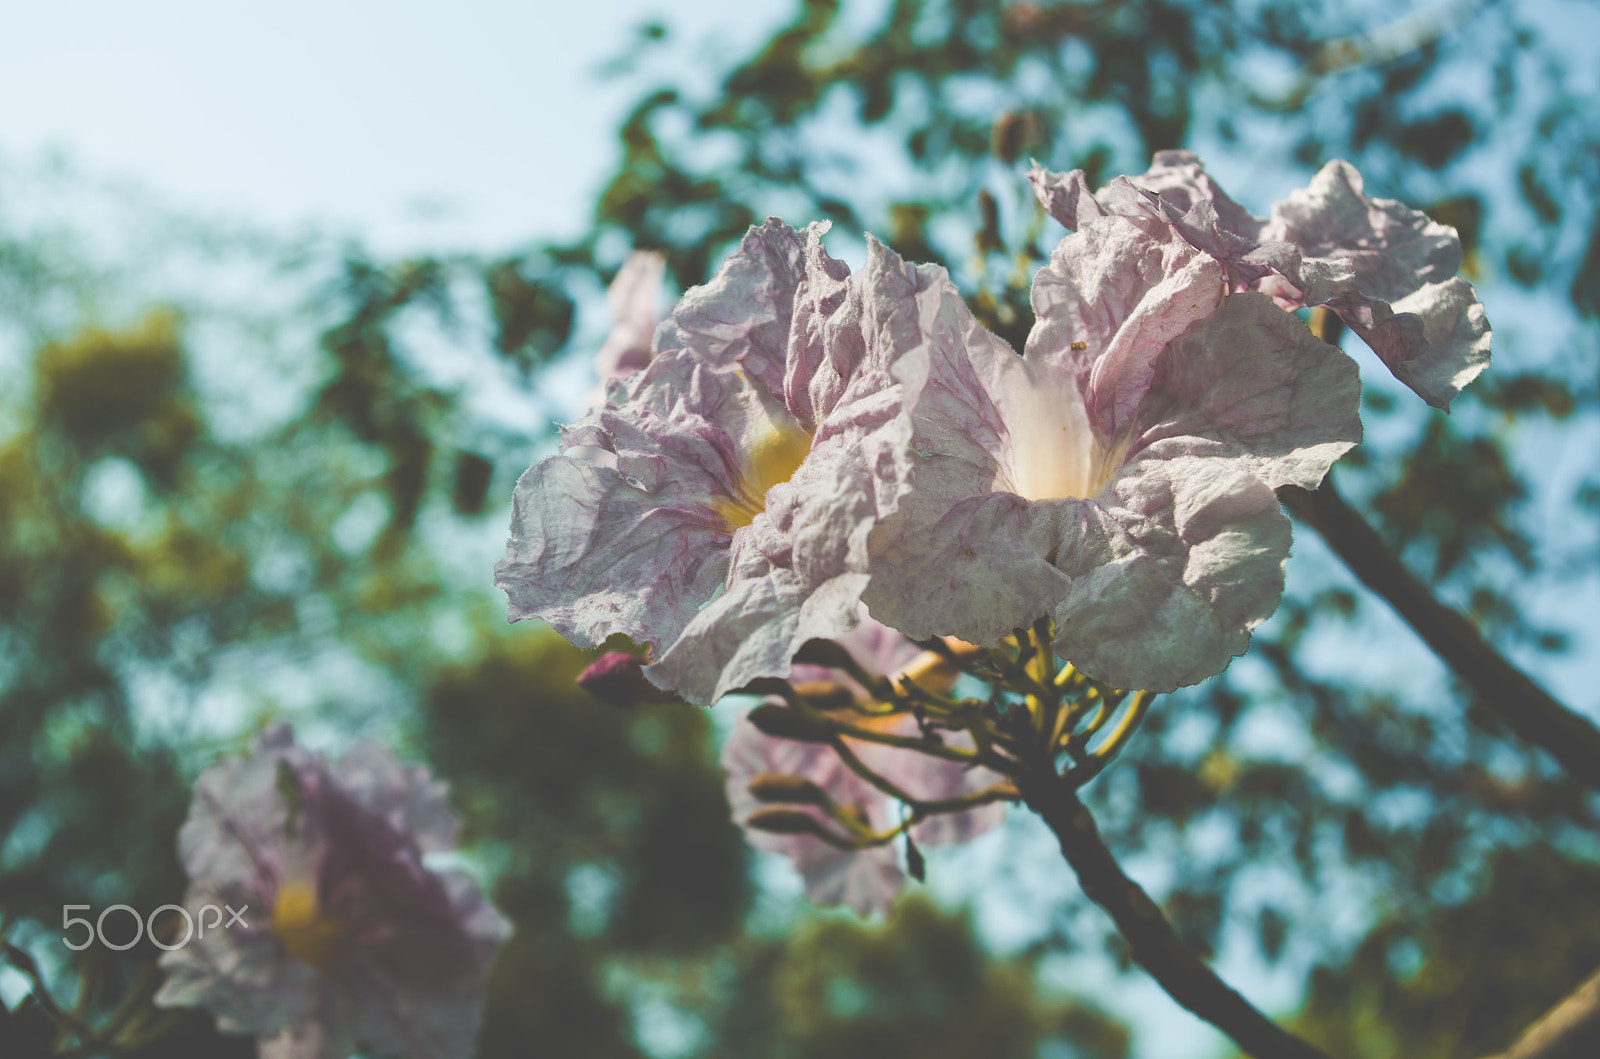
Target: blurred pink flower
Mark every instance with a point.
(634, 299)
(349, 941)
(866, 880)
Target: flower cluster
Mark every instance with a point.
(802, 439)
(352, 943)
(803, 446)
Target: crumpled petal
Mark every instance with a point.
(1253, 385)
(1170, 568)
(1388, 271)
(740, 319)
(670, 518)
(634, 299)
(403, 968)
(1390, 274)
(1120, 291)
(637, 547)
(798, 570)
(1184, 392)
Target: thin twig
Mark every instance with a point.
(1527, 708)
(1570, 1030)
(1155, 944)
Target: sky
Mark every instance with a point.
(479, 124)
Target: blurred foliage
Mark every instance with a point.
(176, 566)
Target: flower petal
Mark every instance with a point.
(1253, 384)
(798, 569)
(594, 554)
(634, 299)
(1171, 567)
(1390, 273)
(1064, 196)
(1111, 298)
(740, 319)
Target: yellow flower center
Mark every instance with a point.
(302, 928)
(773, 460)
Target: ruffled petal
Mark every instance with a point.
(740, 319)
(1253, 385)
(369, 947)
(1387, 270)
(1171, 567)
(1064, 196)
(594, 554)
(408, 798)
(1111, 298)
(977, 569)
(1390, 273)
(798, 569)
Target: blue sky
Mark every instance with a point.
(476, 124)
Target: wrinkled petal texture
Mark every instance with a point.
(797, 572)
(1388, 271)
(1112, 297)
(413, 947)
(1170, 567)
(741, 318)
(1200, 403)
(666, 520)
(1390, 274)
(634, 545)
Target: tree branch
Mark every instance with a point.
(1570, 1030)
(1155, 944)
(1528, 709)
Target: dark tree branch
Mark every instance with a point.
(1527, 708)
(1155, 944)
(1570, 1030)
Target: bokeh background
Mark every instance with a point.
(289, 297)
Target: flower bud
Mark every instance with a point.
(616, 677)
(780, 722)
(823, 653)
(779, 821)
(783, 787)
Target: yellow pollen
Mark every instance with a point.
(301, 927)
(773, 460)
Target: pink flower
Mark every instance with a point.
(866, 880)
(1388, 271)
(349, 941)
(634, 299)
(718, 506)
(1118, 477)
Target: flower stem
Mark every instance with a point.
(1155, 944)
(1528, 709)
